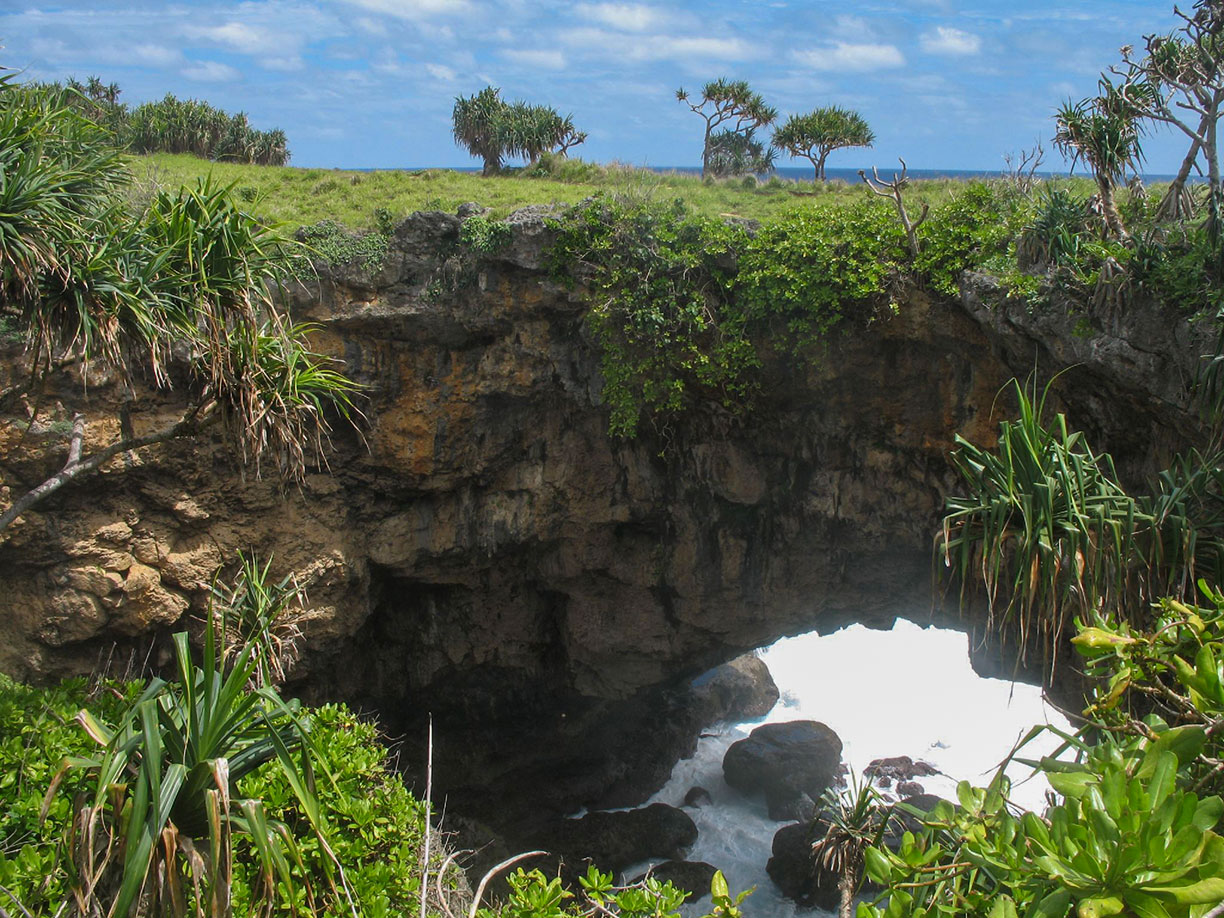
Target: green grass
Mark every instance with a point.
(301, 197)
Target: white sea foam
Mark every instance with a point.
(908, 691)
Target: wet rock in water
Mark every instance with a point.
(898, 768)
(616, 841)
(784, 761)
(692, 876)
(697, 796)
(798, 809)
(792, 870)
(740, 690)
(910, 789)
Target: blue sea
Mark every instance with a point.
(804, 173)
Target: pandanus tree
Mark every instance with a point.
(183, 294)
(818, 133)
(492, 129)
(1179, 81)
(736, 153)
(480, 125)
(731, 105)
(1104, 132)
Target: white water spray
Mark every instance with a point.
(909, 691)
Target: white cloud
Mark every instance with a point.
(441, 72)
(628, 17)
(542, 59)
(657, 47)
(414, 9)
(371, 26)
(282, 64)
(211, 72)
(946, 40)
(236, 35)
(851, 57)
(153, 55)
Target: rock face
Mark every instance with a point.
(483, 551)
(792, 764)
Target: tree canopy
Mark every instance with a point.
(818, 133)
(182, 292)
(492, 129)
(727, 102)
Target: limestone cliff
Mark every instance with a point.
(483, 550)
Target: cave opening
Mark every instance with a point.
(909, 691)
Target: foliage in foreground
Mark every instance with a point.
(1133, 827)
(1051, 534)
(375, 825)
(533, 895)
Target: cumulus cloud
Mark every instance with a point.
(414, 9)
(441, 72)
(211, 72)
(946, 40)
(283, 64)
(852, 57)
(539, 59)
(657, 47)
(237, 35)
(628, 17)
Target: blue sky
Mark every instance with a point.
(370, 83)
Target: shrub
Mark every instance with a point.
(484, 235)
(979, 222)
(337, 246)
(663, 314)
(376, 826)
(816, 265)
(37, 734)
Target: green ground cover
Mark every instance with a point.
(355, 199)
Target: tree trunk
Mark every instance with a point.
(1213, 179)
(820, 167)
(1109, 207)
(492, 165)
(705, 152)
(845, 886)
(1173, 204)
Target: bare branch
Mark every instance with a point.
(188, 425)
(893, 191)
(494, 871)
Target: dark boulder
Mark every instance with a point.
(740, 690)
(793, 871)
(692, 876)
(784, 761)
(697, 796)
(614, 841)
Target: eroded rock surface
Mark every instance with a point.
(483, 551)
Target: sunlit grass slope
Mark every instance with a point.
(304, 196)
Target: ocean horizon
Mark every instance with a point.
(804, 173)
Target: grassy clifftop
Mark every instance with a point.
(304, 196)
